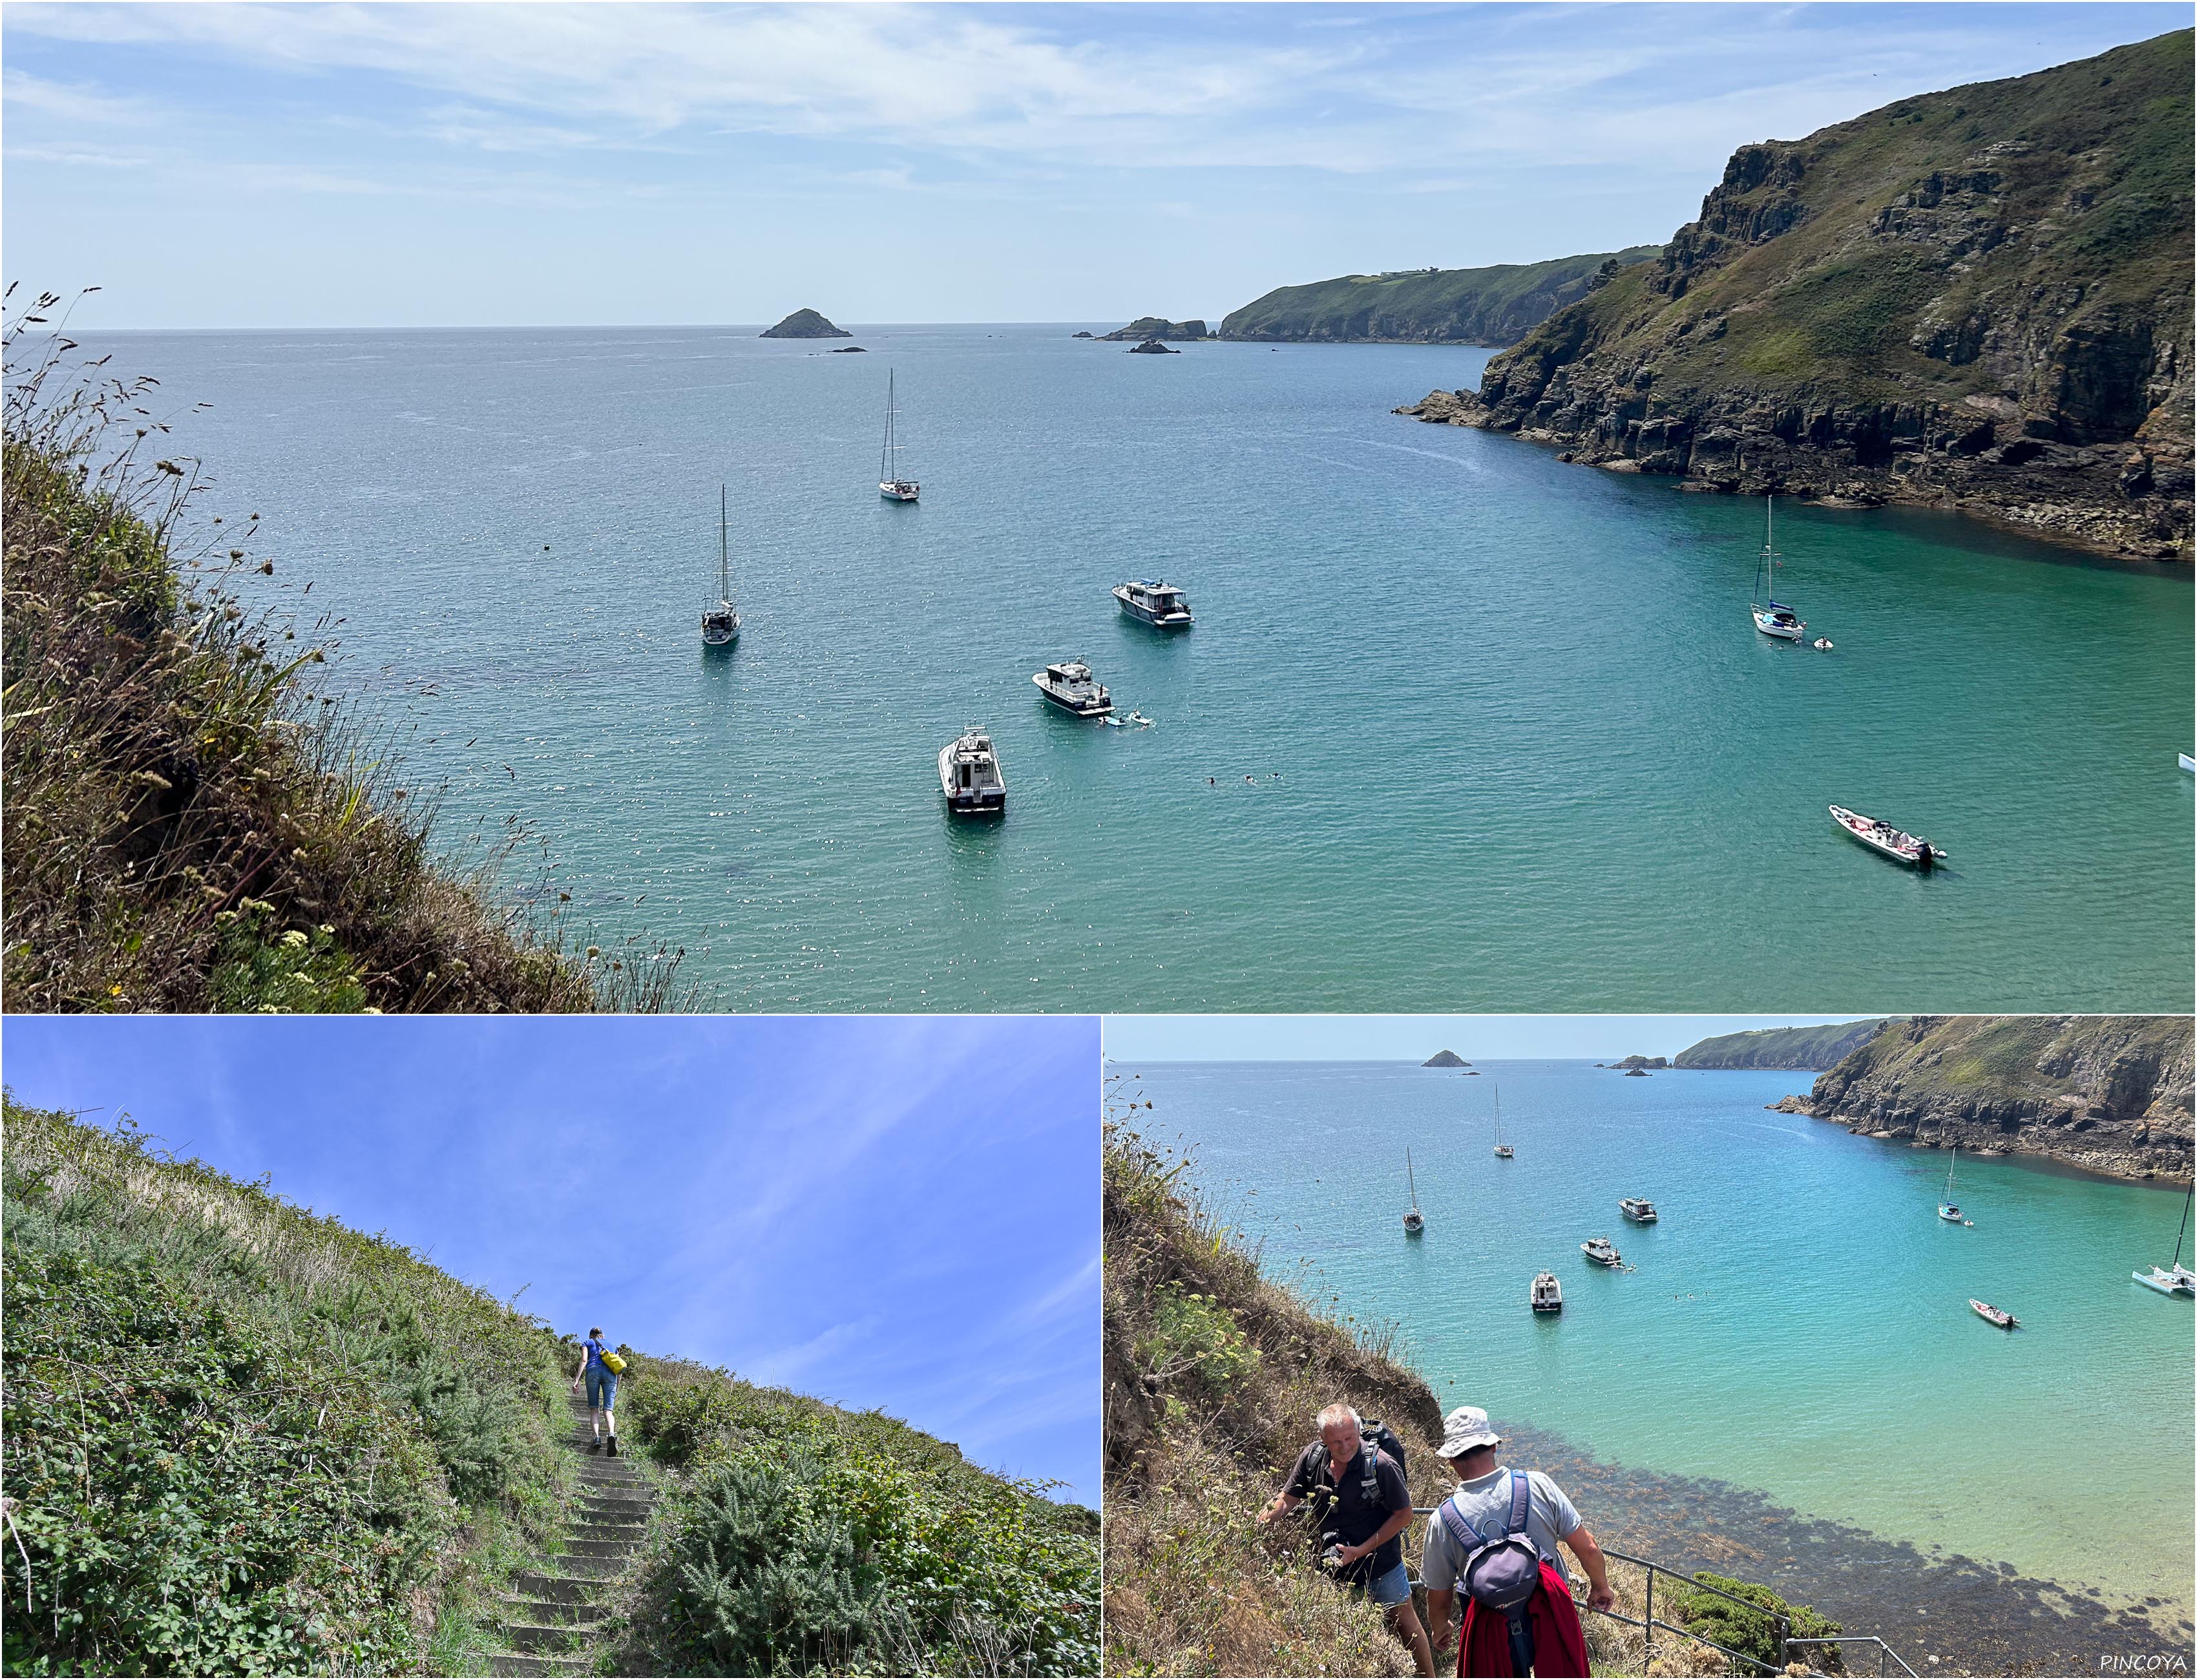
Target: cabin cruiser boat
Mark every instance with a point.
(1881, 837)
(1548, 1294)
(1600, 1250)
(1071, 686)
(1638, 1209)
(1994, 1315)
(969, 774)
(1154, 602)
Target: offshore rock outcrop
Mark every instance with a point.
(1979, 299)
(2111, 1093)
(805, 324)
(1148, 327)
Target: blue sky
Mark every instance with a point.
(887, 1212)
(1393, 1038)
(469, 166)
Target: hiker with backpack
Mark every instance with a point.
(599, 1372)
(1494, 1540)
(1354, 1478)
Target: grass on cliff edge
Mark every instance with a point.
(185, 824)
(242, 1439)
(1213, 1373)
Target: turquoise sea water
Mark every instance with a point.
(1511, 741)
(1796, 1329)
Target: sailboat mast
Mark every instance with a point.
(2185, 1231)
(724, 549)
(886, 473)
(1410, 1178)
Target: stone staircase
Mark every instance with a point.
(551, 1615)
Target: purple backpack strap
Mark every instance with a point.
(1521, 1498)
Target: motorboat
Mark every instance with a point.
(1638, 1209)
(1771, 616)
(1994, 1315)
(1151, 602)
(1882, 838)
(892, 484)
(1548, 1294)
(1413, 1223)
(1600, 1250)
(969, 777)
(1071, 686)
(721, 624)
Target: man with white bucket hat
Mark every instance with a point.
(1491, 1502)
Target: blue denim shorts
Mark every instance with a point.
(602, 1387)
(1390, 1590)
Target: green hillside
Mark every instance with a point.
(1814, 1048)
(242, 1439)
(1496, 306)
(1980, 298)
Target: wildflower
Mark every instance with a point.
(294, 939)
(329, 929)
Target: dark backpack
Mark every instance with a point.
(1373, 1433)
(1501, 1575)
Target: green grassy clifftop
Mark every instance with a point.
(1814, 1048)
(241, 1438)
(1978, 299)
(1495, 305)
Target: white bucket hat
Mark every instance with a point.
(1464, 1429)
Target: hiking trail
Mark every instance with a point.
(552, 1615)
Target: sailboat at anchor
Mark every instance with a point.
(1946, 1210)
(1771, 616)
(890, 485)
(1502, 1150)
(721, 624)
(2180, 1281)
(1413, 1223)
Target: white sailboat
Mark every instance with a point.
(890, 485)
(1502, 1150)
(1413, 1224)
(1770, 616)
(721, 624)
(1946, 1210)
(2181, 1280)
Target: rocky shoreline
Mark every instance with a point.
(2109, 1094)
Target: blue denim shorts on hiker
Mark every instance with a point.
(602, 1387)
(1391, 1588)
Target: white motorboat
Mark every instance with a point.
(1547, 1294)
(1771, 616)
(1638, 1209)
(1071, 686)
(1151, 602)
(1413, 1223)
(1502, 1150)
(1995, 1315)
(1882, 838)
(1601, 1251)
(721, 624)
(969, 777)
(891, 485)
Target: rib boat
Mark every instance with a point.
(1887, 841)
(1994, 1315)
(969, 777)
(1071, 686)
(1547, 1294)
(1151, 602)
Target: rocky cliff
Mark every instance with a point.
(806, 324)
(1494, 305)
(1980, 298)
(1814, 1048)
(2110, 1092)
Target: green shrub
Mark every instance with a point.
(1752, 1633)
(261, 968)
(1195, 1335)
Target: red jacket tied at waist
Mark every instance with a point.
(1483, 1645)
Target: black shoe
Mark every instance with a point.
(613, 1449)
(596, 1444)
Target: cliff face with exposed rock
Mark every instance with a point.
(1978, 299)
(1812, 1048)
(1494, 305)
(2110, 1092)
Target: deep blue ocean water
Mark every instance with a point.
(1795, 1332)
(1460, 726)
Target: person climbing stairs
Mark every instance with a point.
(554, 1615)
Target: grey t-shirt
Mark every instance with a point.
(1486, 1503)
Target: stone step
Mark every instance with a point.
(592, 1568)
(548, 1639)
(606, 1531)
(609, 1473)
(562, 1589)
(525, 1662)
(547, 1612)
(613, 1508)
(599, 1548)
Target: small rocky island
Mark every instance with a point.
(1079, 335)
(1147, 327)
(1445, 1058)
(806, 324)
(1152, 347)
(1640, 1065)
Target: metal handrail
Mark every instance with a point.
(1883, 1650)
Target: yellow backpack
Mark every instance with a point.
(613, 1363)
